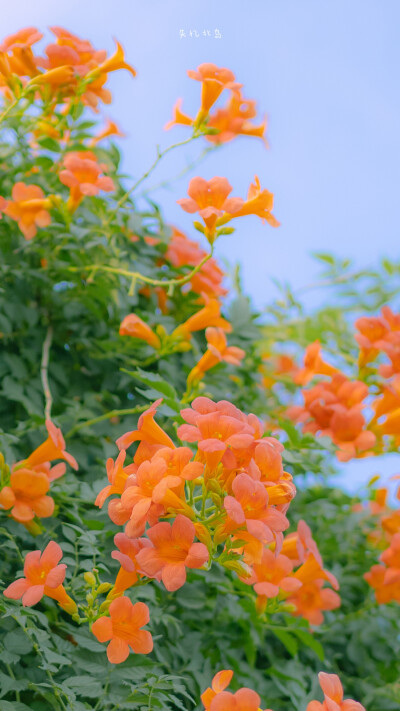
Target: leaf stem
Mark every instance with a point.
(106, 416)
(141, 277)
(44, 373)
(160, 155)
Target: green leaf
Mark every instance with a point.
(14, 706)
(311, 642)
(287, 640)
(49, 144)
(17, 642)
(156, 382)
(85, 685)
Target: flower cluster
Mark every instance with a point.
(384, 578)
(210, 199)
(70, 67)
(334, 408)
(226, 122)
(303, 590)
(24, 490)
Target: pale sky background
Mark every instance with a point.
(325, 73)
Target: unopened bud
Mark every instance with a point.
(237, 567)
(89, 599)
(199, 227)
(105, 605)
(104, 587)
(89, 578)
(288, 607)
(214, 486)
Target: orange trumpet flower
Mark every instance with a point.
(209, 315)
(150, 435)
(26, 495)
(243, 700)
(117, 475)
(217, 351)
(54, 78)
(311, 598)
(259, 202)
(210, 200)
(123, 630)
(128, 573)
(233, 120)
(219, 683)
(113, 63)
(313, 365)
(333, 693)
(173, 551)
(110, 129)
(29, 208)
(52, 448)
(43, 576)
(214, 80)
(270, 575)
(179, 117)
(23, 38)
(82, 174)
(133, 326)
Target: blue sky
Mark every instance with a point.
(326, 74)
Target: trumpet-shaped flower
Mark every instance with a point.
(182, 251)
(242, 700)
(44, 575)
(335, 409)
(333, 693)
(233, 120)
(110, 129)
(385, 582)
(219, 683)
(133, 326)
(83, 175)
(222, 431)
(150, 435)
(313, 365)
(270, 575)
(116, 62)
(210, 199)
(179, 118)
(26, 495)
(297, 546)
(123, 630)
(217, 351)
(209, 315)
(259, 202)
(215, 698)
(129, 572)
(52, 448)
(311, 599)
(213, 80)
(117, 475)
(23, 38)
(248, 507)
(173, 551)
(143, 498)
(29, 208)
